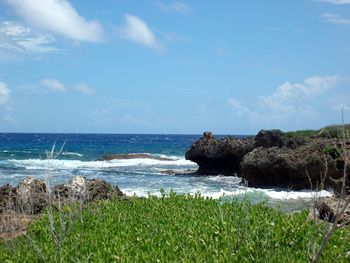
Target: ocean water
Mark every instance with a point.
(24, 154)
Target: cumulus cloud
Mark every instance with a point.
(177, 7)
(136, 30)
(289, 97)
(53, 85)
(59, 17)
(83, 88)
(4, 94)
(17, 38)
(299, 102)
(335, 19)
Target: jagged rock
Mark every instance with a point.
(218, 156)
(8, 197)
(127, 156)
(269, 138)
(32, 195)
(277, 138)
(293, 168)
(86, 190)
(326, 210)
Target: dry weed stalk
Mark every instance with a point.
(343, 199)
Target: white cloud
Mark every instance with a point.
(335, 19)
(136, 30)
(239, 107)
(59, 17)
(83, 88)
(177, 7)
(290, 97)
(4, 94)
(17, 38)
(337, 2)
(53, 85)
(292, 105)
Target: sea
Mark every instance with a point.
(28, 154)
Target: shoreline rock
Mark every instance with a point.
(215, 156)
(270, 159)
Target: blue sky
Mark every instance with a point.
(116, 66)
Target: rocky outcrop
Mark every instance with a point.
(326, 209)
(304, 167)
(85, 190)
(127, 156)
(215, 156)
(271, 159)
(31, 195)
(269, 138)
(276, 138)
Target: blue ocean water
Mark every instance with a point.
(25, 154)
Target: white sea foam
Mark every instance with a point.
(268, 193)
(259, 194)
(76, 164)
(72, 154)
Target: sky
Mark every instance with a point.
(156, 66)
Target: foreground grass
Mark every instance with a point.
(172, 229)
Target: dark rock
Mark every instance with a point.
(269, 138)
(218, 156)
(326, 210)
(277, 138)
(29, 197)
(304, 167)
(8, 198)
(128, 156)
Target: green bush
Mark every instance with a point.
(175, 228)
(332, 151)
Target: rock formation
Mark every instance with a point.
(215, 156)
(270, 159)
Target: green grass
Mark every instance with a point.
(176, 228)
(332, 131)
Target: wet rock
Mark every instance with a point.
(215, 156)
